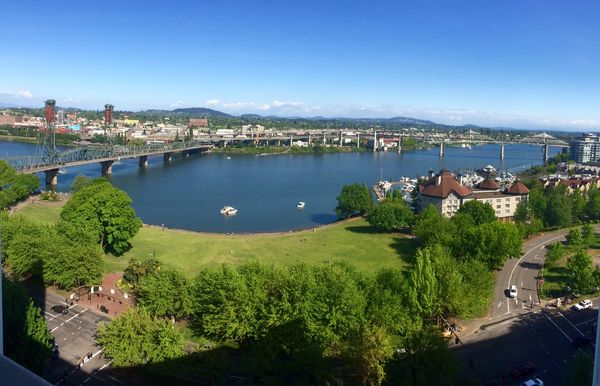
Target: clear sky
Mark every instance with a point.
(517, 63)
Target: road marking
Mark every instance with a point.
(587, 321)
(74, 316)
(54, 329)
(559, 329)
(572, 325)
(499, 304)
(522, 257)
(98, 352)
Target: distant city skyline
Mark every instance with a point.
(515, 64)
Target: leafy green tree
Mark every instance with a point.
(587, 232)
(492, 243)
(76, 259)
(555, 252)
(537, 202)
(367, 353)
(26, 336)
(166, 293)
(592, 206)
(353, 200)
(423, 285)
(479, 211)
(577, 206)
(27, 252)
(135, 338)
(581, 270)
(106, 212)
(432, 227)
(80, 182)
(428, 361)
(574, 237)
(391, 214)
(558, 209)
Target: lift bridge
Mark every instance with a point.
(51, 162)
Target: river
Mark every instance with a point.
(188, 193)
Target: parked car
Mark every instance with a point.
(533, 382)
(581, 341)
(512, 292)
(523, 370)
(582, 305)
(60, 309)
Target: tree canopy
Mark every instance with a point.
(479, 211)
(354, 199)
(15, 187)
(391, 214)
(106, 212)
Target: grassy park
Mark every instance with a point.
(354, 241)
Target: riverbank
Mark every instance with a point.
(354, 241)
(34, 140)
(260, 150)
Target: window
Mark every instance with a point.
(507, 205)
(498, 206)
(498, 199)
(507, 211)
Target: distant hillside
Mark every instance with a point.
(198, 112)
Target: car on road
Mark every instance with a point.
(533, 382)
(512, 292)
(582, 305)
(523, 370)
(581, 341)
(60, 309)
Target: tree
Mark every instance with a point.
(581, 270)
(587, 232)
(423, 285)
(368, 351)
(432, 227)
(577, 205)
(28, 248)
(391, 214)
(555, 252)
(574, 237)
(353, 200)
(479, 211)
(537, 202)
(558, 209)
(166, 293)
(592, 206)
(106, 212)
(135, 338)
(26, 336)
(491, 243)
(80, 182)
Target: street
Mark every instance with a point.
(518, 330)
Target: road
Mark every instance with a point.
(516, 333)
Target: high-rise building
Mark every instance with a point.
(586, 149)
(60, 117)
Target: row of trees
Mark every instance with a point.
(322, 323)
(15, 187)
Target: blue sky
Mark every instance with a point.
(498, 63)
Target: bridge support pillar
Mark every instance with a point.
(399, 144)
(308, 139)
(167, 157)
(51, 177)
(501, 151)
(341, 138)
(441, 149)
(374, 141)
(143, 161)
(106, 167)
(546, 148)
(291, 140)
(324, 139)
(357, 140)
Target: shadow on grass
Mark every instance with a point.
(556, 280)
(364, 229)
(405, 248)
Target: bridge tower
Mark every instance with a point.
(442, 149)
(501, 150)
(49, 153)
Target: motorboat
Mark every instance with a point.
(228, 157)
(228, 211)
(301, 204)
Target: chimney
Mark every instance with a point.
(438, 180)
(431, 173)
(460, 179)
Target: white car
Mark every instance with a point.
(582, 305)
(512, 292)
(533, 382)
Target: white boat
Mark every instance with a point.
(300, 204)
(228, 211)
(228, 157)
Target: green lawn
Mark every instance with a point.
(354, 241)
(43, 212)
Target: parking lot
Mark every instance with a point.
(542, 337)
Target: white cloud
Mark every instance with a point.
(177, 104)
(71, 100)
(212, 102)
(23, 95)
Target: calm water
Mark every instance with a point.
(188, 193)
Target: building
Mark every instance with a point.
(585, 149)
(9, 120)
(198, 122)
(448, 194)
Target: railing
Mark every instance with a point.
(90, 154)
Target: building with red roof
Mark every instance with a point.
(447, 193)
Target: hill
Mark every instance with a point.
(197, 112)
